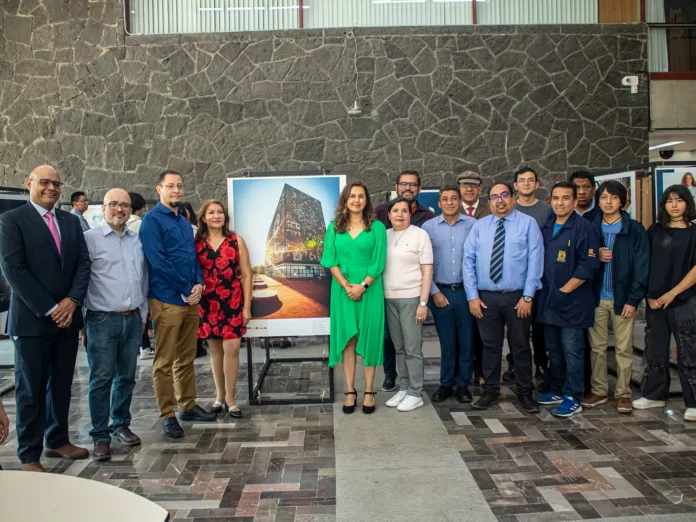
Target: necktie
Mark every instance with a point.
(54, 229)
(498, 252)
(470, 212)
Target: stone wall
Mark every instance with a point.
(109, 110)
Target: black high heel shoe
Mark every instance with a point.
(367, 410)
(350, 409)
(218, 407)
(234, 413)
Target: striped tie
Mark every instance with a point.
(498, 253)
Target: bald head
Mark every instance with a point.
(44, 186)
(117, 209)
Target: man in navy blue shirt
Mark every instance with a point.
(176, 286)
(502, 266)
(566, 302)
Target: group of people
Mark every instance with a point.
(193, 283)
(557, 273)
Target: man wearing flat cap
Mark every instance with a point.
(470, 185)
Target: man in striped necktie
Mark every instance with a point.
(502, 268)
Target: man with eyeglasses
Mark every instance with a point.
(470, 185)
(80, 204)
(526, 185)
(176, 286)
(44, 257)
(502, 268)
(116, 311)
(408, 186)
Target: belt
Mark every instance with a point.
(127, 313)
(451, 286)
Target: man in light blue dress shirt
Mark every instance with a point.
(450, 309)
(502, 268)
(80, 204)
(116, 310)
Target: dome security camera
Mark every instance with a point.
(666, 154)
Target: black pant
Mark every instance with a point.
(500, 312)
(389, 354)
(44, 368)
(477, 353)
(541, 356)
(145, 341)
(679, 320)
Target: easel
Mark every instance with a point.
(255, 397)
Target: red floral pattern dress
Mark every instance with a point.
(222, 303)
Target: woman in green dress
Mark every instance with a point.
(355, 250)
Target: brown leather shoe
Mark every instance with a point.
(593, 400)
(126, 436)
(33, 466)
(69, 451)
(624, 405)
(102, 451)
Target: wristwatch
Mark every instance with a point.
(527, 299)
(423, 303)
(365, 285)
(77, 303)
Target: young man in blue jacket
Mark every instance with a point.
(566, 303)
(620, 285)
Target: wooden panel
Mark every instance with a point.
(644, 204)
(619, 11)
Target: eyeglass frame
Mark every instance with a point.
(172, 186)
(408, 184)
(124, 206)
(46, 182)
(504, 196)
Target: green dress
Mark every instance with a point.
(358, 258)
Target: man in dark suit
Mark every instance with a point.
(44, 257)
(470, 185)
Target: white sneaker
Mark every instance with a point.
(396, 399)
(147, 353)
(645, 404)
(410, 403)
(690, 414)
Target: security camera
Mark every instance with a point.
(666, 154)
(632, 82)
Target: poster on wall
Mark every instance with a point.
(666, 177)
(283, 222)
(94, 216)
(628, 180)
(428, 198)
(8, 201)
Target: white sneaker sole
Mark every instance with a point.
(566, 415)
(594, 404)
(646, 406)
(410, 408)
(391, 403)
(690, 418)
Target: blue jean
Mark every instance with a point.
(566, 348)
(113, 342)
(455, 328)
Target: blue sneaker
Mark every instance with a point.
(550, 398)
(568, 407)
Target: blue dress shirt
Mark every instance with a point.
(171, 255)
(523, 260)
(448, 248)
(83, 222)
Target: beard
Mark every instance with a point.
(175, 204)
(410, 198)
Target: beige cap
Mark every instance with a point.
(469, 176)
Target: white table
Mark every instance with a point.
(48, 497)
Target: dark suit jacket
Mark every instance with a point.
(482, 210)
(40, 278)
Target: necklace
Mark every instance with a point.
(613, 222)
(396, 240)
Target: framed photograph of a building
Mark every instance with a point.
(283, 222)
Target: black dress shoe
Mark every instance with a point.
(102, 451)
(486, 401)
(509, 377)
(389, 383)
(126, 436)
(463, 395)
(197, 414)
(442, 394)
(171, 428)
(528, 404)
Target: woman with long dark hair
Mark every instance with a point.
(688, 182)
(225, 307)
(671, 306)
(355, 253)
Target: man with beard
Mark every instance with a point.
(408, 186)
(116, 311)
(176, 286)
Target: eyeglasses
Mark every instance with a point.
(47, 182)
(528, 181)
(113, 205)
(504, 196)
(171, 186)
(408, 184)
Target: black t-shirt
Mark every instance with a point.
(672, 256)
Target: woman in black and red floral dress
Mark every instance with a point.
(225, 307)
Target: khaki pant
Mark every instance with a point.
(176, 333)
(623, 337)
